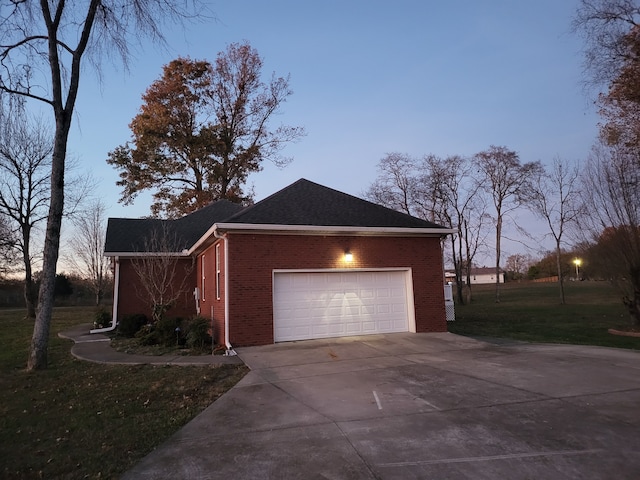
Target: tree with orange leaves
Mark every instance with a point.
(201, 130)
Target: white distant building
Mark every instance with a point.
(479, 275)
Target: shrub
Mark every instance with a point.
(102, 318)
(197, 332)
(147, 335)
(168, 331)
(131, 324)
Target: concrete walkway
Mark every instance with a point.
(97, 348)
(415, 406)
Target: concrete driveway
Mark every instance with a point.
(416, 406)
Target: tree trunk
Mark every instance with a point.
(468, 282)
(30, 296)
(498, 237)
(559, 271)
(40, 340)
(468, 267)
(30, 293)
(633, 303)
(457, 267)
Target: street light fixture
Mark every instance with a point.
(578, 262)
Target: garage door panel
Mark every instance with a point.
(399, 308)
(330, 304)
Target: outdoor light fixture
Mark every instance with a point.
(348, 256)
(578, 262)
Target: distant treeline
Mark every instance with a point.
(70, 290)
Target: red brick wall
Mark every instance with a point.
(210, 306)
(132, 298)
(252, 258)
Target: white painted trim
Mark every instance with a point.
(299, 230)
(340, 270)
(212, 231)
(116, 288)
(410, 303)
(230, 351)
(331, 229)
(184, 253)
(408, 279)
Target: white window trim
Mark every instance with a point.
(202, 265)
(218, 271)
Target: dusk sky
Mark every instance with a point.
(374, 77)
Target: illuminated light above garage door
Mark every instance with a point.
(348, 256)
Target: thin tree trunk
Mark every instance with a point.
(560, 277)
(468, 266)
(30, 294)
(633, 302)
(468, 281)
(457, 267)
(498, 237)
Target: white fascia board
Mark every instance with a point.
(203, 239)
(183, 253)
(332, 230)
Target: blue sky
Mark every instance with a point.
(372, 77)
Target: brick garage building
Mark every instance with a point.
(306, 262)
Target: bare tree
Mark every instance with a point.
(458, 204)
(87, 247)
(508, 182)
(604, 24)
(396, 182)
(518, 264)
(441, 191)
(25, 167)
(163, 271)
(8, 247)
(556, 199)
(611, 186)
(42, 47)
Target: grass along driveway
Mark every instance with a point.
(83, 420)
(532, 312)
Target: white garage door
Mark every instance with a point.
(334, 304)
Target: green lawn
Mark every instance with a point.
(83, 420)
(532, 312)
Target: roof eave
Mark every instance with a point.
(202, 242)
(183, 253)
(332, 230)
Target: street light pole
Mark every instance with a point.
(577, 262)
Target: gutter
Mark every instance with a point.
(183, 253)
(116, 287)
(229, 349)
(277, 229)
(332, 229)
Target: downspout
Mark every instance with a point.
(116, 287)
(229, 349)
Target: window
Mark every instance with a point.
(202, 264)
(218, 271)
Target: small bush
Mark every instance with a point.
(147, 335)
(102, 318)
(168, 331)
(197, 332)
(131, 324)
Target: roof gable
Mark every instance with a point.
(308, 203)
